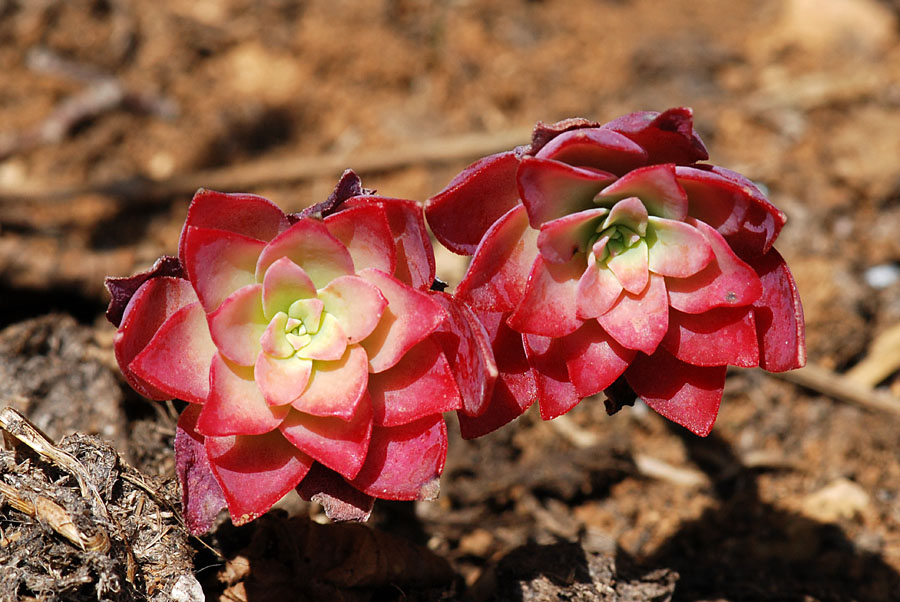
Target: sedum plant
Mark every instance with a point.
(607, 257)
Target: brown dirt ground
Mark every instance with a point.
(109, 109)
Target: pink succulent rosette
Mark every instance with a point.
(310, 348)
(606, 258)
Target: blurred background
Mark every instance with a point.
(113, 112)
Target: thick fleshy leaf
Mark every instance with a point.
(308, 244)
(245, 214)
(341, 445)
(121, 290)
(405, 462)
(255, 471)
(639, 321)
(410, 316)
(365, 231)
(357, 305)
(466, 346)
(238, 325)
(685, 394)
(337, 387)
(734, 206)
(548, 308)
(594, 360)
(177, 358)
(556, 394)
(597, 290)
(515, 389)
(218, 263)
(328, 343)
(495, 280)
(562, 238)
(631, 213)
(779, 316)
(677, 249)
(281, 380)
(668, 137)
(631, 268)
(483, 192)
(152, 305)
(550, 189)
(725, 282)
(657, 188)
(596, 148)
(274, 341)
(340, 500)
(415, 256)
(284, 283)
(726, 335)
(201, 495)
(419, 385)
(235, 405)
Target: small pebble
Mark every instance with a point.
(882, 276)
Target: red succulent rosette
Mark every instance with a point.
(606, 258)
(311, 349)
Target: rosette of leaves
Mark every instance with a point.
(310, 348)
(608, 257)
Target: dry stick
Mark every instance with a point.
(841, 388)
(286, 169)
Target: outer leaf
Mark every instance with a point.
(714, 338)
(336, 388)
(219, 262)
(550, 189)
(340, 500)
(281, 381)
(201, 495)
(419, 385)
(594, 360)
(657, 188)
(549, 306)
(415, 256)
(121, 290)
(495, 280)
(308, 244)
(405, 462)
(238, 325)
(255, 471)
(595, 148)
(556, 395)
(177, 358)
(685, 394)
(483, 192)
(668, 137)
(639, 321)
(365, 231)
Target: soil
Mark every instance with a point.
(112, 112)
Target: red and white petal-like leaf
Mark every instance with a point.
(726, 335)
(734, 206)
(201, 495)
(516, 387)
(245, 214)
(283, 283)
(410, 316)
(415, 256)
(122, 289)
(725, 282)
(594, 359)
(235, 405)
(779, 316)
(677, 249)
(556, 394)
(467, 348)
(218, 263)
(405, 462)
(419, 385)
(310, 245)
(629, 212)
(281, 380)
(550, 189)
(328, 344)
(685, 394)
(255, 471)
(495, 280)
(150, 307)
(238, 325)
(549, 306)
(631, 268)
(655, 185)
(483, 192)
(336, 388)
(365, 231)
(273, 340)
(177, 358)
(340, 500)
(668, 137)
(341, 445)
(357, 305)
(597, 290)
(639, 321)
(596, 148)
(562, 238)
